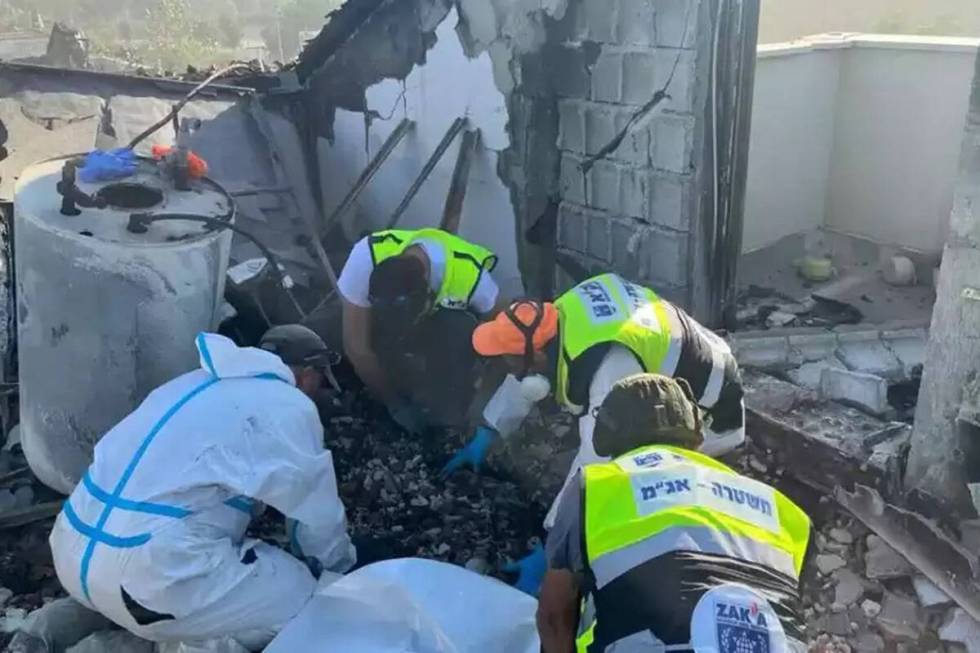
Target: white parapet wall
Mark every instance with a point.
(860, 134)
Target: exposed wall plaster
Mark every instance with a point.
(449, 85)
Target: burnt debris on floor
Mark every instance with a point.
(398, 506)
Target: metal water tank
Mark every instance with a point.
(106, 313)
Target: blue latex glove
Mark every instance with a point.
(101, 165)
(530, 571)
(408, 417)
(472, 454)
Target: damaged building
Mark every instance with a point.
(796, 197)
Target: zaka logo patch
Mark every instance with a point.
(741, 628)
(648, 460)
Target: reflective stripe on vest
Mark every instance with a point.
(465, 262)
(657, 500)
(607, 308)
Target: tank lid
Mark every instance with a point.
(146, 192)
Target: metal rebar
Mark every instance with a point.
(453, 210)
(386, 149)
(430, 165)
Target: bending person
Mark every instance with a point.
(154, 535)
(665, 547)
(411, 300)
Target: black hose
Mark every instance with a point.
(139, 222)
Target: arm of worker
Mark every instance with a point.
(725, 417)
(487, 300)
(282, 463)
(357, 348)
(618, 363)
(508, 407)
(560, 597)
(354, 286)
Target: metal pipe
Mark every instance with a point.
(430, 165)
(453, 210)
(386, 149)
(172, 116)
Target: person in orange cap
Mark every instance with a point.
(600, 332)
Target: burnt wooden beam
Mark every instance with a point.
(453, 210)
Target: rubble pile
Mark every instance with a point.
(860, 595)
(398, 506)
(764, 308)
(27, 576)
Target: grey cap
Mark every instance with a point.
(298, 346)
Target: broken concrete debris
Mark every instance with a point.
(849, 588)
(900, 618)
(929, 595)
(883, 562)
(961, 629)
(867, 392)
(828, 563)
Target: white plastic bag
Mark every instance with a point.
(116, 641)
(413, 606)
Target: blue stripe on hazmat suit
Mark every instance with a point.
(160, 516)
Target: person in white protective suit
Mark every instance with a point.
(154, 535)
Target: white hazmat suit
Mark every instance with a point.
(153, 537)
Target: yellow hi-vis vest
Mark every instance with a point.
(607, 308)
(658, 500)
(465, 262)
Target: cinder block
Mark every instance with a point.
(814, 346)
(865, 352)
(622, 234)
(639, 77)
(681, 87)
(636, 22)
(633, 193)
(867, 392)
(571, 78)
(600, 127)
(626, 251)
(663, 257)
(571, 227)
(762, 352)
(572, 181)
(598, 237)
(668, 201)
(909, 345)
(810, 375)
(635, 148)
(597, 20)
(571, 130)
(607, 77)
(604, 186)
(676, 22)
(672, 143)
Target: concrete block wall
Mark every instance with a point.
(633, 211)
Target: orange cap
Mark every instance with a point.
(501, 337)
